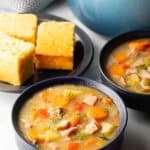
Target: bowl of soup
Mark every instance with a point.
(125, 67)
(69, 113)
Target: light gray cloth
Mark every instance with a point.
(24, 5)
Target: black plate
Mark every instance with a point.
(83, 55)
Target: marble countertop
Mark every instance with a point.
(137, 134)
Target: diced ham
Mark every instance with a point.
(145, 74)
(55, 113)
(63, 125)
(92, 127)
(53, 146)
(122, 81)
(138, 62)
(133, 53)
(69, 131)
(90, 100)
(131, 71)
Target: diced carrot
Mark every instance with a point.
(90, 92)
(75, 120)
(44, 95)
(43, 113)
(97, 112)
(79, 107)
(148, 51)
(90, 142)
(139, 45)
(73, 146)
(118, 69)
(60, 100)
(125, 66)
(32, 134)
(107, 101)
(120, 57)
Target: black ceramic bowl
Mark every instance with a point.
(132, 99)
(24, 145)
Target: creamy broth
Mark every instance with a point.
(69, 117)
(129, 66)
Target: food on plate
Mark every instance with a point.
(69, 117)
(53, 42)
(55, 45)
(129, 65)
(16, 60)
(21, 26)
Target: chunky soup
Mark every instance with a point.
(69, 117)
(129, 65)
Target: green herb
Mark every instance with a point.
(104, 138)
(141, 67)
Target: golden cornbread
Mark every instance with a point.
(54, 62)
(21, 26)
(16, 60)
(55, 45)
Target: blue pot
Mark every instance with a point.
(112, 17)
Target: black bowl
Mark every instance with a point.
(131, 99)
(24, 145)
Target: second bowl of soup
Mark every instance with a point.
(69, 114)
(126, 67)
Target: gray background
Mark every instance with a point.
(137, 134)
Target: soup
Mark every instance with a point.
(129, 65)
(69, 117)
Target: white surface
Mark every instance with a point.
(137, 135)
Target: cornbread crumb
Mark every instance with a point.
(21, 26)
(16, 60)
(55, 45)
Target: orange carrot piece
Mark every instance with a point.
(79, 107)
(90, 142)
(32, 134)
(44, 95)
(75, 120)
(73, 146)
(43, 113)
(148, 51)
(97, 112)
(107, 101)
(139, 45)
(118, 69)
(120, 57)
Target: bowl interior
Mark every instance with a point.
(69, 80)
(111, 45)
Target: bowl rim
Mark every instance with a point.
(70, 80)
(111, 42)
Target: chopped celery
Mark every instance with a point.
(52, 124)
(80, 136)
(132, 80)
(147, 61)
(71, 92)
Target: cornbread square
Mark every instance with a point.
(16, 60)
(55, 45)
(21, 26)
